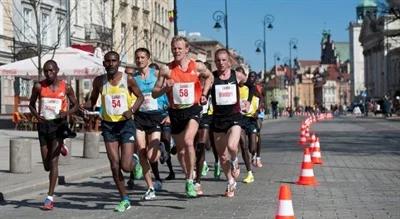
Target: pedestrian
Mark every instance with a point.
(274, 108)
(117, 91)
(185, 96)
(53, 95)
(148, 120)
(227, 117)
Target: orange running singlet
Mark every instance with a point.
(52, 102)
(186, 91)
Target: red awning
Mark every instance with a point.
(84, 47)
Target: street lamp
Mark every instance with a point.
(277, 58)
(267, 24)
(292, 45)
(218, 16)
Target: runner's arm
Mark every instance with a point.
(207, 76)
(94, 95)
(72, 99)
(161, 87)
(136, 91)
(32, 102)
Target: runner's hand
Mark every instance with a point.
(63, 114)
(166, 120)
(246, 106)
(128, 114)
(203, 100)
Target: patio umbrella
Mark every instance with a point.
(72, 63)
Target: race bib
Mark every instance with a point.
(183, 93)
(149, 103)
(116, 104)
(50, 107)
(225, 94)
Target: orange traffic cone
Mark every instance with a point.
(316, 154)
(312, 146)
(312, 138)
(285, 206)
(307, 173)
(303, 140)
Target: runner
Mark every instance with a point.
(248, 134)
(165, 139)
(257, 91)
(201, 143)
(226, 117)
(137, 172)
(148, 120)
(52, 94)
(185, 95)
(118, 129)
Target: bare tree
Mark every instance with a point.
(31, 35)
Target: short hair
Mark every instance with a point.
(142, 49)
(241, 69)
(155, 66)
(222, 50)
(208, 65)
(51, 61)
(112, 53)
(180, 38)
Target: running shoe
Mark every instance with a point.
(258, 162)
(171, 176)
(149, 195)
(204, 169)
(64, 150)
(235, 169)
(157, 185)
(230, 190)
(137, 171)
(48, 205)
(190, 191)
(130, 183)
(123, 206)
(198, 189)
(249, 178)
(217, 170)
(173, 150)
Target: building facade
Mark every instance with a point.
(380, 39)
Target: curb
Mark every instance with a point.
(62, 180)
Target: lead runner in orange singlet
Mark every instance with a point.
(185, 95)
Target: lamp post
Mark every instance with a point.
(218, 16)
(277, 58)
(292, 45)
(267, 24)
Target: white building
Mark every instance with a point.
(357, 73)
(381, 43)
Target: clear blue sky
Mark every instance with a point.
(302, 19)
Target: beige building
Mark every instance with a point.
(142, 24)
(305, 83)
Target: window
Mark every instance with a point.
(61, 31)
(123, 42)
(27, 31)
(45, 29)
(1, 18)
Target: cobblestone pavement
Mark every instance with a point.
(359, 178)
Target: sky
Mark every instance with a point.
(301, 19)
